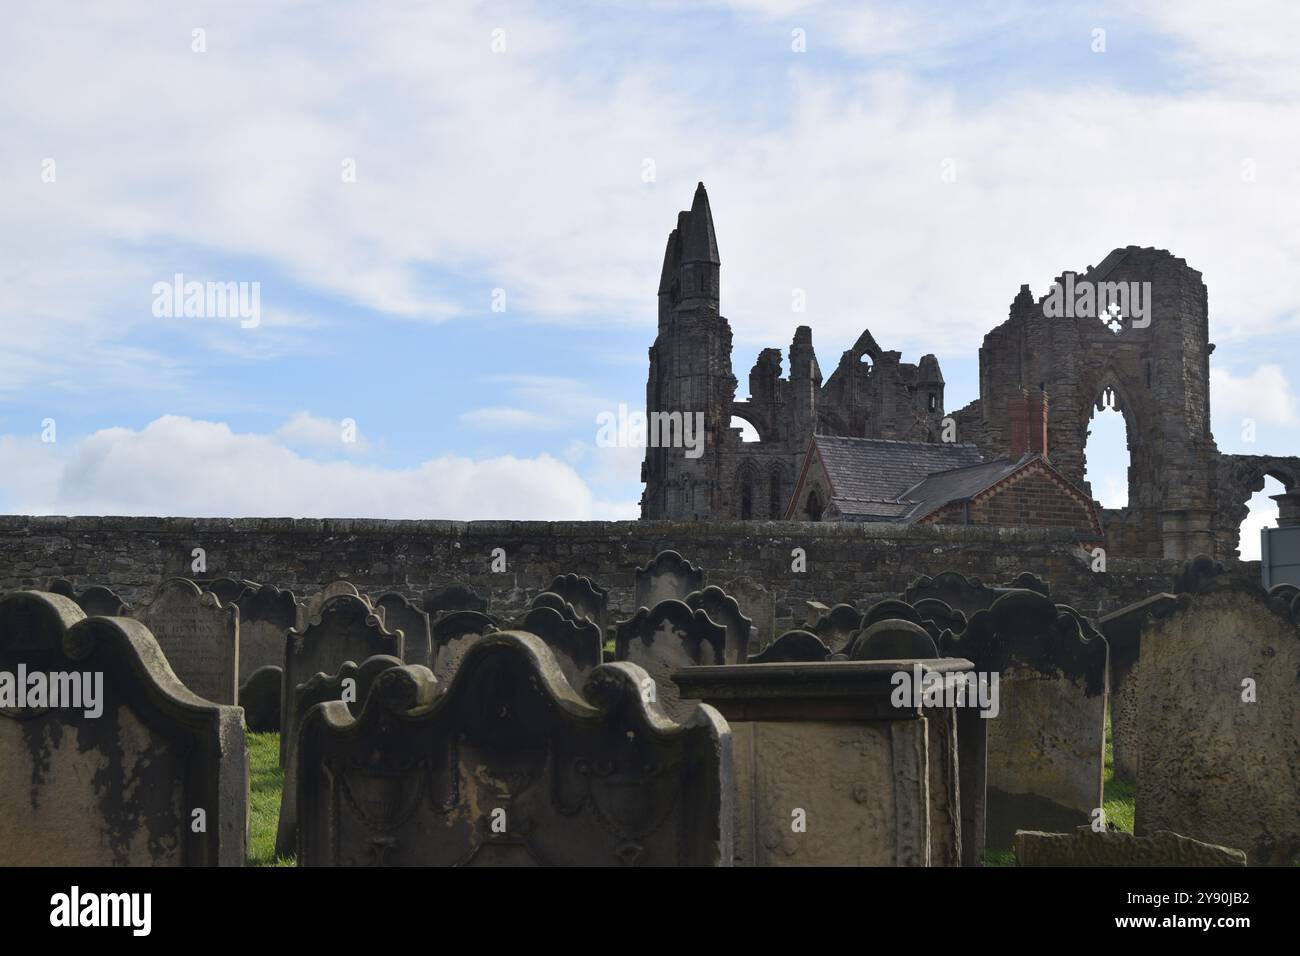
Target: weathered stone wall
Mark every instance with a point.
(854, 563)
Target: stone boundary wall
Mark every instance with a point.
(853, 563)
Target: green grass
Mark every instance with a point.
(266, 780)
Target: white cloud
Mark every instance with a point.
(305, 431)
(522, 169)
(1264, 395)
(181, 466)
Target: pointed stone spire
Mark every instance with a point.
(699, 243)
(670, 264)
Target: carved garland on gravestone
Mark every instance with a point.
(510, 765)
(158, 777)
(351, 686)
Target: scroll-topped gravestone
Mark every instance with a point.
(116, 781)
(723, 609)
(351, 686)
(576, 644)
(759, 605)
(1046, 744)
(199, 635)
(453, 634)
(588, 598)
(100, 600)
(266, 615)
(837, 627)
(1218, 689)
(333, 589)
(345, 629)
(510, 765)
(665, 639)
(401, 615)
(669, 577)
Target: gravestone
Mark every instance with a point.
(1046, 744)
(665, 639)
(759, 605)
(510, 765)
(588, 598)
(666, 578)
(938, 616)
(453, 597)
(1084, 847)
(892, 640)
(453, 634)
(793, 646)
(723, 609)
(345, 629)
(198, 634)
(351, 686)
(575, 644)
(227, 590)
(124, 786)
(266, 615)
(260, 698)
(959, 592)
(100, 600)
(1219, 722)
(333, 589)
(401, 615)
(837, 627)
(1123, 630)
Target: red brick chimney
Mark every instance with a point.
(1027, 423)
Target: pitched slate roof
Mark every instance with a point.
(958, 484)
(880, 470)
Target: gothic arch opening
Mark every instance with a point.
(1107, 450)
(814, 507)
(747, 491)
(1261, 513)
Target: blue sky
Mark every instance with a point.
(522, 168)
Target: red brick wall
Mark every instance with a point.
(1030, 499)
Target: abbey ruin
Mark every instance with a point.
(1185, 496)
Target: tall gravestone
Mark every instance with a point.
(453, 635)
(401, 615)
(510, 765)
(576, 644)
(588, 598)
(266, 615)
(759, 605)
(663, 640)
(723, 609)
(123, 783)
(346, 628)
(1218, 686)
(1046, 745)
(1123, 630)
(199, 635)
(667, 577)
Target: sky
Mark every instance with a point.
(454, 214)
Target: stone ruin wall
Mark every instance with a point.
(854, 563)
